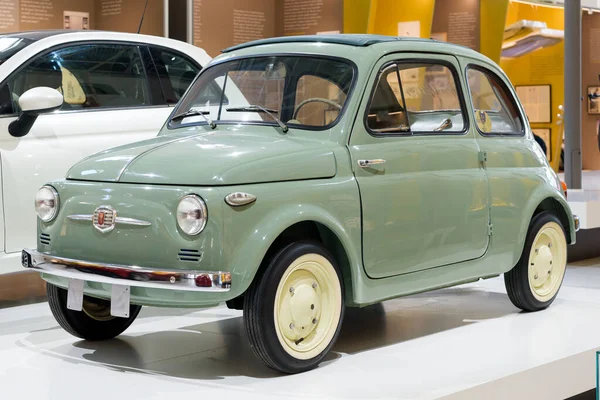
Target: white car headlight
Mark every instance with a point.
(191, 214)
(47, 203)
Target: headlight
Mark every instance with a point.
(191, 214)
(47, 203)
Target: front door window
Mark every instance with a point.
(89, 76)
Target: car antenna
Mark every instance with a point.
(142, 20)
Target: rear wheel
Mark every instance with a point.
(94, 322)
(293, 314)
(534, 282)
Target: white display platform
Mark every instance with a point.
(585, 202)
(464, 343)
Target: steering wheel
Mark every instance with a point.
(312, 100)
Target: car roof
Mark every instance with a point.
(36, 35)
(360, 48)
(41, 40)
(356, 40)
(67, 35)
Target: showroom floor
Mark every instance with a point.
(467, 342)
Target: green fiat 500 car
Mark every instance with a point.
(302, 175)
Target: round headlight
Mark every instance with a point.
(191, 214)
(47, 203)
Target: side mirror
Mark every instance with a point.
(34, 102)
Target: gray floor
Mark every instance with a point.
(464, 342)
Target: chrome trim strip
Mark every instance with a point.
(131, 221)
(129, 275)
(80, 217)
(118, 220)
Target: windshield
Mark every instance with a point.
(299, 91)
(9, 46)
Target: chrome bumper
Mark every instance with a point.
(576, 221)
(128, 275)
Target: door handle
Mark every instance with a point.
(446, 124)
(368, 163)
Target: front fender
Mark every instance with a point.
(536, 199)
(251, 230)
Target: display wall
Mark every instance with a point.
(114, 15)
(239, 21)
(590, 78)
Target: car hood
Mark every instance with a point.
(210, 158)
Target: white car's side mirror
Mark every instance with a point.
(41, 99)
(34, 102)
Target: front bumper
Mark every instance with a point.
(129, 275)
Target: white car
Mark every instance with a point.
(67, 94)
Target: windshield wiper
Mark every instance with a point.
(257, 108)
(192, 112)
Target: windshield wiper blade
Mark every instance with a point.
(256, 108)
(192, 112)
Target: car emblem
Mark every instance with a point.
(101, 218)
(104, 218)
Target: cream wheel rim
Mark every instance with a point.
(308, 305)
(97, 311)
(547, 261)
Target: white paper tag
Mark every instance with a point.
(75, 295)
(119, 301)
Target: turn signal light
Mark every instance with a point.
(564, 188)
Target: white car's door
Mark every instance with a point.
(112, 97)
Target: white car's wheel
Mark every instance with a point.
(534, 282)
(294, 313)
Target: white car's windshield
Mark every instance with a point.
(294, 91)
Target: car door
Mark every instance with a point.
(112, 97)
(424, 191)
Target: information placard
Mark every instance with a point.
(537, 101)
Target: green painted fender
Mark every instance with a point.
(248, 258)
(542, 197)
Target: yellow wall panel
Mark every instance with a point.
(541, 67)
(384, 15)
(493, 14)
(356, 16)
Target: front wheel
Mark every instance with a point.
(293, 314)
(94, 322)
(534, 282)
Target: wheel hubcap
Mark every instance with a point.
(547, 262)
(97, 310)
(307, 306)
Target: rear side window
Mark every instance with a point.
(494, 107)
(419, 98)
(176, 72)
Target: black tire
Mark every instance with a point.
(259, 310)
(517, 279)
(82, 325)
